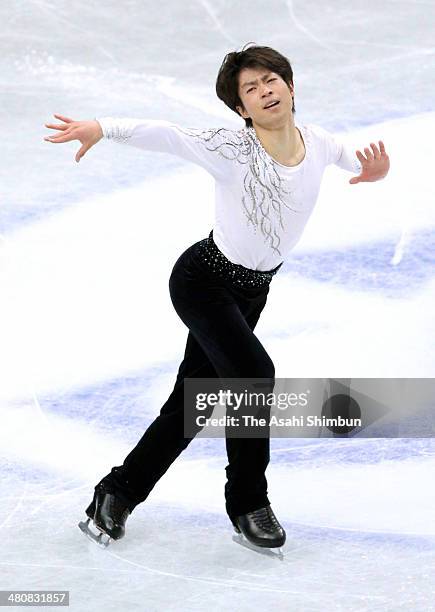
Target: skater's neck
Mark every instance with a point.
(283, 143)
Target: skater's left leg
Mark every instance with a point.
(226, 334)
(246, 486)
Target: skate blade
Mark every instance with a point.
(100, 538)
(275, 553)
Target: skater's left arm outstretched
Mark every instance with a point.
(374, 166)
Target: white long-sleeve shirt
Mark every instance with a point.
(261, 206)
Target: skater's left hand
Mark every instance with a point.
(374, 167)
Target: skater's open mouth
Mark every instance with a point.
(271, 104)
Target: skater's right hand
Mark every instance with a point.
(88, 132)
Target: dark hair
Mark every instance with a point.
(227, 82)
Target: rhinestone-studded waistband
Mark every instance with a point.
(223, 267)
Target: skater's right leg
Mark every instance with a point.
(120, 491)
(164, 440)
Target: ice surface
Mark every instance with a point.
(90, 344)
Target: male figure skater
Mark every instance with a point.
(268, 177)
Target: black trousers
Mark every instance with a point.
(221, 317)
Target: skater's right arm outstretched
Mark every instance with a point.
(215, 149)
(87, 132)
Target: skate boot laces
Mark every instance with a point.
(265, 519)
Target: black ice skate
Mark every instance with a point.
(261, 528)
(108, 513)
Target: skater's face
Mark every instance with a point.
(258, 88)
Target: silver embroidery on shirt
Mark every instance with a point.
(264, 192)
